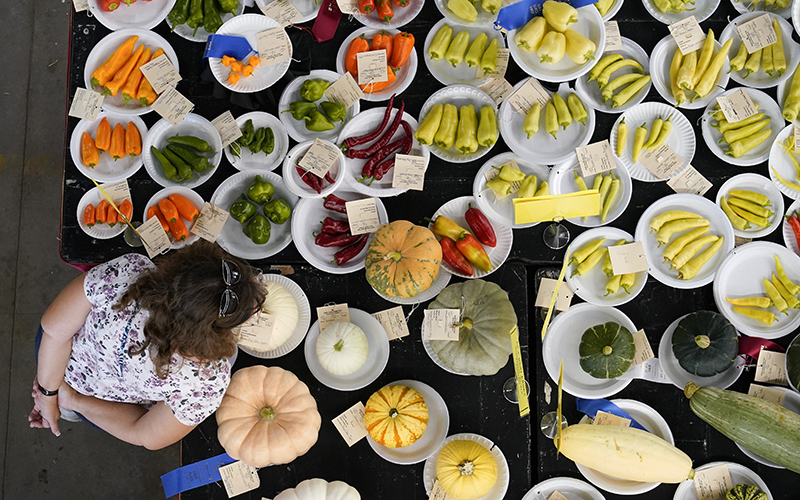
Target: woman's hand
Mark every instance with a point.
(45, 411)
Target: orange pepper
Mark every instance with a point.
(103, 139)
(135, 78)
(233, 78)
(133, 140)
(146, 94)
(178, 229)
(247, 70)
(89, 155)
(236, 67)
(400, 3)
(382, 40)
(403, 47)
(168, 209)
(254, 61)
(126, 208)
(226, 61)
(121, 76)
(101, 212)
(88, 215)
(384, 10)
(184, 207)
(115, 61)
(360, 44)
(371, 88)
(154, 211)
(117, 142)
(111, 217)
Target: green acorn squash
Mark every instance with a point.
(793, 362)
(705, 343)
(484, 341)
(606, 350)
(745, 492)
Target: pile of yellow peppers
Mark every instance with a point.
(681, 252)
(772, 58)
(466, 11)
(781, 293)
(742, 136)
(557, 112)
(446, 126)
(603, 70)
(510, 179)
(608, 186)
(743, 207)
(675, 6)
(659, 133)
(603, 6)
(697, 71)
(454, 49)
(550, 38)
(788, 148)
(590, 254)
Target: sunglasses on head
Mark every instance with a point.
(229, 301)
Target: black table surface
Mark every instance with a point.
(475, 404)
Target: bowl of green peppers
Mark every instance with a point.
(195, 20)
(263, 143)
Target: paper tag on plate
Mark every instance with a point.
(546, 288)
(441, 324)
(595, 158)
(327, 315)
(409, 172)
(688, 35)
(80, 5)
(348, 7)
(661, 162)
(393, 321)
(320, 157)
(118, 191)
(86, 104)
(737, 106)
(643, 350)
(350, 424)
(603, 418)
(227, 127)
(739, 241)
(613, 36)
(557, 495)
(256, 332)
(519, 373)
(273, 46)
(161, 73)
(498, 89)
(529, 93)
(344, 91)
(771, 368)
(437, 492)
(627, 259)
(652, 372)
(757, 33)
(283, 12)
(372, 67)
(210, 223)
(767, 394)
(239, 478)
(155, 239)
(173, 106)
(501, 66)
(690, 181)
(712, 483)
(362, 216)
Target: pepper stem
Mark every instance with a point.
(466, 468)
(268, 413)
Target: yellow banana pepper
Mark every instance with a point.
(476, 50)
(447, 128)
(765, 317)
(440, 43)
(761, 302)
(576, 108)
(463, 9)
(487, 127)
(705, 58)
(531, 124)
(564, 118)
(457, 48)
(466, 137)
(430, 124)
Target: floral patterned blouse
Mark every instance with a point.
(100, 364)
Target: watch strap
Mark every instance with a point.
(45, 391)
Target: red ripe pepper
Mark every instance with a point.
(363, 139)
(310, 179)
(368, 170)
(481, 227)
(335, 226)
(452, 256)
(384, 167)
(333, 202)
(338, 240)
(384, 10)
(366, 6)
(366, 153)
(329, 177)
(109, 5)
(794, 223)
(347, 253)
(474, 252)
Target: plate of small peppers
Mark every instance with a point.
(111, 148)
(121, 14)
(97, 218)
(177, 208)
(263, 143)
(462, 54)
(196, 19)
(388, 13)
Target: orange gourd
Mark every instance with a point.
(133, 140)
(89, 154)
(115, 61)
(135, 78)
(396, 416)
(117, 142)
(146, 94)
(121, 76)
(103, 137)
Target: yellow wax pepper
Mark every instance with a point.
(466, 136)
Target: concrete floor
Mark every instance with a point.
(83, 462)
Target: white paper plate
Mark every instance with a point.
(458, 96)
(454, 210)
(142, 15)
(232, 237)
(780, 161)
(573, 489)
(296, 128)
(740, 275)
(260, 161)
(760, 184)
(303, 319)
(590, 25)
(98, 231)
(592, 95)
(791, 402)
(719, 225)
(786, 364)
(503, 474)
(363, 124)
(103, 50)
(485, 19)
(306, 220)
(561, 343)
(296, 185)
(248, 26)
(376, 359)
(680, 377)
(760, 79)
(562, 181)
(187, 193)
(592, 286)
(433, 437)
(745, 6)
(461, 74)
(541, 145)
(663, 53)
(307, 8)
(404, 76)
(502, 211)
(788, 235)
(651, 420)
(702, 10)
(739, 474)
(107, 169)
(442, 279)
(184, 31)
(194, 125)
(402, 16)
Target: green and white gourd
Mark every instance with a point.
(342, 348)
(606, 350)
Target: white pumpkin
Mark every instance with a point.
(342, 348)
(280, 304)
(320, 489)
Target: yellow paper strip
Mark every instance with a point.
(519, 372)
(556, 206)
(558, 408)
(554, 298)
(124, 219)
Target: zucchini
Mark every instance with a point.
(768, 430)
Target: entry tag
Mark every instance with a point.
(409, 172)
(501, 66)
(712, 483)
(519, 374)
(547, 287)
(690, 180)
(441, 324)
(155, 239)
(688, 35)
(494, 172)
(498, 89)
(662, 162)
(210, 223)
(320, 157)
(173, 106)
(227, 127)
(437, 492)
(86, 104)
(771, 368)
(256, 332)
(767, 393)
(372, 67)
(80, 5)
(239, 478)
(613, 36)
(283, 12)
(118, 191)
(161, 73)
(737, 106)
(344, 91)
(643, 350)
(757, 33)
(393, 321)
(328, 315)
(363, 216)
(527, 95)
(739, 241)
(273, 46)
(556, 495)
(227, 45)
(350, 424)
(348, 7)
(603, 418)
(627, 259)
(596, 158)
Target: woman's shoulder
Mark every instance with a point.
(116, 275)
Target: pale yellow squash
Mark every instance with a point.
(466, 470)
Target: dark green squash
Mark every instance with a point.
(606, 350)
(705, 343)
(745, 492)
(793, 362)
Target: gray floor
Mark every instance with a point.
(83, 462)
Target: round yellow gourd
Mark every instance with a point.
(466, 470)
(396, 416)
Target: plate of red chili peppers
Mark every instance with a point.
(388, 13)
(121, 14)
(306, 184)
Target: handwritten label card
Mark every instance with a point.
(712, 483)
(498, 89)
(210, 223)
(161, 73)
(757, 34)
(441, 324)
(771, 368)
(661, 162)
(118, 191)
(363, 216)
(320, 157)
(557, 495)
(173, 106)
(86, 104)
(348, 7)
(613, 36)
(329, 315)
(350, 424)
(737, 106)
(643, 350)
(690, 181)
(227, 127)
(688, 35)
(603, 418)
(626, 259)
(409, 172)
(372, 67)
(767, 394)
(546, 288)
(155, 239)
(239, 478)
(344, 91)
(739, 241)
(796, 130)
(529, 93)
(283, 12)
(273, 46)
(393, 321)
(501, 66)
(437, 492)
(256, 332)
(596, 158)
(80, 5)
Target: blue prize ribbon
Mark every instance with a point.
(194, 475)
(227, 45)
(591, 406)
(517, 15)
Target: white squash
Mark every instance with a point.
(342, 348)
(280, 304)
(319, 489)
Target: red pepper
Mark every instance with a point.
(347, 253)
(452, 256)
(338, 240)
(335, 226)
(384, 167)
(368, 170)
(109, 5)
(794, 222)
(333, 202)
(481, 227)
(366, 153)
(363, 139)
(310, 179)
(366, 6)
(474, 252)
(329, 178)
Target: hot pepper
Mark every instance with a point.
(602, 64)
(135, 78)
(742, 146)
(248, 134)
(476, 50)
(191, 141)
(709, 78)
(170, 172)
(258, 230)
(531, 123)
(229, 5)
(562, 111)
(317, 122)
(466, 137)
(313, 90)
(384, 10)
(310, 179)
(457, 48)
(452, 256)
(183, 168)
(194, 160)
(765, 317)
(117, 142)
(334, 111)
(348, 253)
(430, 124)
(446, 134)
(260, 191)
(268, 146)
(121, 76)
(242, 209)
(403, 47)
(89, 155)
(551, 119)
(487, 127)
(527, 189)
(480, 226)
(447, 228)
(383, 41)
(472, 249)
(335, 226)
(576, 108)
(489, 57)
(638, 141)
(195, 15)
(440, 43)
(300, 109)
(258, 140)
(339, 240)
(333, 202)
(463, 9)
(146, 95)
(278, 211)
(133, 140)
(544, 189)
(179, 13)
(211, 18)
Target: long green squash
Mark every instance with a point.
(768, 430)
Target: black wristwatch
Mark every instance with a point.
(45, 391)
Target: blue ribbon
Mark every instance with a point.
(194, 475)
(226, 45)
(517, 15)
(591, 406)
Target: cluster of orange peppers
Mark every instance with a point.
(121, 73)
(383, 8)
(238, 68)
(106, 213)
(119, 142)
(171, 212)
(398, 49)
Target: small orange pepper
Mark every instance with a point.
(103, 137)
(184, 207)
(178, 229)
(371, 88)
(89, 155)
(88, 215)
(383, 40)
(111, 217)
(226, 61)
(126, 208)
(101, 212)
(154, 211)
(233, 78)
(403, 47)
(133, 140)
(117, 142)
(358, 45)
(247, 70)
(254, 61)
(168, 209)
(236, 67)
(146, 94)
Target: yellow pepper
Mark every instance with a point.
(430, 124)
(605, 75)
(663, 135)
(790, 299)
(742, 146)
(487, 127)
(686, 73)
(630, 91)
(793, 288)
(579, 181)
(608, 90)
(655, 129)
(447, 128)
(604, 188)
(665, 217)
(705, 58)
(562, 111)
(761, 302)
(592, 260)
(667, 230)
(583, 252)
(544, 189)
(737, 63)
(759, 221)
(791, 106)
(530, 36)
(691, 268)
(551, 119)
(466, 137)
(674, 68)
(499, 186)
(527, 189)
(476, 50)
(457, 48)
(743, 132)
(463, 9)
(711, 74)
(753, 62)
(751, 207)
(491, 6)
(579, 48)
(510, 173)
(553, 47)
(576, 108)
(738, 222)
(638, 141)
(765, 317)
(559, 15)
(440, 43)
(115, 61)
(603, 6)
(724, 125)
(790, 184)
(489, 57)
(602, 64)
(531, 124)
(753, 196)
(612, 195)
(674, 248)
(622, 136)
(766, 60)
(612, 286)
(777, 300)
(778, 54)
(607, 267)
(627, 282)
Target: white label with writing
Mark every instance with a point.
(688, 35)
(494, 172)
(613, 36)
(498, 89)
(161, 73)
(712, 483)
(282, 11)
(350, 424)
(210, 223)
(256, 332)
(651, 371)
(662, 162)
(320, 157)
(155, 239)
(771, 368)
(557, 495)
(394, 322)
(690, 181)
(173, 106)
(595, 158)
(643, 349)
(604, 418)
(273, 46)
(328, 315)
(546, 288)
(227, 127)
(362, 216)
(80, 5)
(441, 324)
(627, 259)
(86, 104)
(529, 93)
(118, 191)
(739, 241)
(767, 394)
(737, 106)
(757, 33)
(344, 91)
(372, 67)
(501, 66)
(437, 492)
(409, 172)
(239, 478)
(348, 7)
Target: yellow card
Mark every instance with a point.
(551, 207)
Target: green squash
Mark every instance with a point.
(705, 343)
(484, 341)
(745, 492)
(606, 350)
(793, 362)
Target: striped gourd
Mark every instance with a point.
(396, 416)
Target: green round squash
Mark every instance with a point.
(793, 363)
(484, 340)
(606, 350)
(705, 343)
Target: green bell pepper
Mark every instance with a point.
(317, 122)
(242, 209)
(313, 90)
(278, 211)
(258, 230)
(333, 110)
(260, 191)
(300, 109)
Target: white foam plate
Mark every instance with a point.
(296, 185)
(187, 193)
(402, 16)
(442, 279)
(592, 286)
(376, 361)
(780, 161)
(681, 139)
(542, 146)
(503, 474)
(404, 76)
(98, 231)
(791, 402)
(592, 95)
(194, 125)
(107, 169)
(143, 15)
(739, 474)
(573, 489)
(308, 8)
(745, 6)
(760, 184)
(433, 437)
(788, 235)
(260, 161)
(590, 25)
(485, 19)
(461, 74)
(702, 10)
(184, 31)
(562, 181)
(103, 51)
(661, 61)
(561, 343)
(232, 237)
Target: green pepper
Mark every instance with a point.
(300, 109)
(211, 19)
(192, 142)
(268, 146)
(466, 136)
(260, 191)
(527, 189)
(334, 111)
(236, 149)
(440, 43)
(248, 134)
(487, 127)
(242, 209)
(457, 48)
(184, 170)
(179, 13)
(229, 6)
(476, 50)
(317, 122)
(278, 211)
(313, 90)
(196, 161)
(170, 172)
(195, 15)
(447, 127)
(258, 230)
(255, 146)
(429, 125)
(491, 6)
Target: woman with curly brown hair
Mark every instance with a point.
(141, 349)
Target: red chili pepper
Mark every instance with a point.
(333, 202)
(338, 240)
(310, 179)
(363, 139)
(452, 256)
(366, 153)
(335, 226)
(481, 227)
(347, 253)
(384, 167)
(329, 178)
(794, 222)
(474, 251)
(368, 170)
